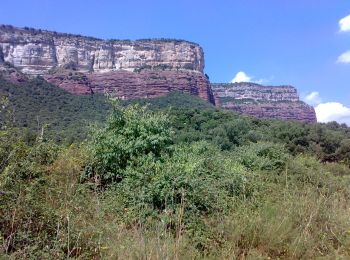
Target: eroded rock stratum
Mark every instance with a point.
(280, 102)
(129, 69)
(136, 69)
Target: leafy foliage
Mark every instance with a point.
(176, 179)
(131, 133)
(65, 117)
(262, 156)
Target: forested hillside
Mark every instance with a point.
(66, 118)
(36, 104)
(171, 177)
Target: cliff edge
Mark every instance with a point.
(279, 102)
(129, 69)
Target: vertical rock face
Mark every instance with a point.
(136, 69)
(128, 69)
(130, 85)
(280, 102)
(256, 92)
(37, 52)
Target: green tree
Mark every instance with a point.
(343, 151)
(131, 133)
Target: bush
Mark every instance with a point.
(182, 191)
(25, 219)
(262, 156)
(146, 179)
(131, 133)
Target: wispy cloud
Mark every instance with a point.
(344, 58)
(312, 98)
(344, 24)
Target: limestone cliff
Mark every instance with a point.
(135, 69)
(129, 69)
(280, 102)
(37, 52)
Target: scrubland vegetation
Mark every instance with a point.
(178, 179)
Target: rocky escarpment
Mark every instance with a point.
(281, 102)
(129, 69)
(37, 52)
(135, 69)
(129, 85)
(11, 74)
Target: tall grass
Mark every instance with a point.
(300, 212)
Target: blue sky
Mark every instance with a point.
(294, 42)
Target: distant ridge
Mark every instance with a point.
(127, 69)
(280, 102)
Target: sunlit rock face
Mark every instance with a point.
(130, 85)
(37, 51)
(136, 69)
(279, 102)
(149, 68)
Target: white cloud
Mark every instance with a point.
(313, 98)
(344, 24)
(244, 77)
(333, 111)
(241, 77)
(344, 58)
(328, 111)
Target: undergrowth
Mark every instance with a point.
(135, 191)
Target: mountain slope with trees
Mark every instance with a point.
(177, 178)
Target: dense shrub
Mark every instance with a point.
(196, 177)
(25, 218)
(132, 155)
(131, 133)
(262, 156)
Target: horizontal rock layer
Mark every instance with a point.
(136, 69)
(37, 52)
(252, 99)
(130, 85)
(127, 69)
(11, 74)
(294, 111)
(247, 90)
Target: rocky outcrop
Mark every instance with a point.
(135, 69)
(281, 102)
(128, 69)
(295, 111)
(131, 85)
(11, 74)
(37, 52)
(247, 90)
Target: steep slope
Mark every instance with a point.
(81, 65)
(36, 103)
(281, 102)
(33, 104)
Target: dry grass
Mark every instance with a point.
(302, 213)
